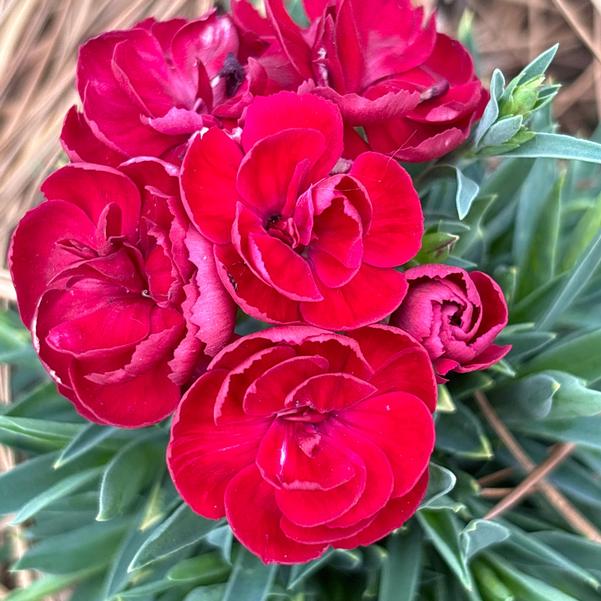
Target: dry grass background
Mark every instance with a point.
(38, 47)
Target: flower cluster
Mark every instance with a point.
(243, 162)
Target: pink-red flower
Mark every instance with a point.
(414, 91)
(119, 315)
(146, 89)
(306, 439)
(299, 235)
(456, 315)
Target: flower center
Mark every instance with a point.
(233, 74)
(304, 414)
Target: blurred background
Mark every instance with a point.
(38, 49)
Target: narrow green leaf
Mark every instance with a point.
(93, 544)
(580, 356)
(537, 265)
(181, 529)
(527, 398)
(89, 437)
(537, 67)
(582, 235)
(461, 433)
(206, 593)
(558, 146)
(445, 403)
(524, 586)
(209, 568)
(125, 476)
(146, 591)
(60, 489)
(502, 131)
(301, 571)
(436, 247)
(489, 583)
(573, 398)
(442, 527)
(402, 568)
(572, 285)
(524, 341)
(480, 534)
(581, 430)
(491, 112)
(441, 481)
(251, 579)
(57, 433)
(222, 538)
(43, 588)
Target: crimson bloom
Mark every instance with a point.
(146, 89)
(456, 315)
(297, 238)
(119, 315)
(413, 90)
(306, 439)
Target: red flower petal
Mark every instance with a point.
(397, 223)
(369, 297)
(267, 393)
(34, 257)
(297, 456)
(254, 517)
(329, 392)
(81, 145)
(393, 516)
(141, 401)
(202, 457)
(92, 188)
(401, 425)
(254, 297)
(277, 168)
(286, 110)
(399, 362)
(208, 183)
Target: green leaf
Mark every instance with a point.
(301, 571)
(222, 538)
(580, 356)
(491, 112)
(572, 285)
(402, 568)
(43, 588)
(146, 591)
(61, 489)
(209, 568)
(573, 398)
(206, 593)
(489, 583)
(125, 476)
(527, 398)
(558, 146)
(582, 553)
(89, 437)
(181, 529)
(537, 67)
(441, 481)
(445, 403)
(524, 340)
(436, 247)
(582, 235)
(581, 430)
(461, 433)
(442, 527)
(480, 534)
(251, 579)
(537, 261)
(502, 131)
(526, 587)
(79, 549)
(56, 433)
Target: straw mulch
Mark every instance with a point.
(38, 46)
